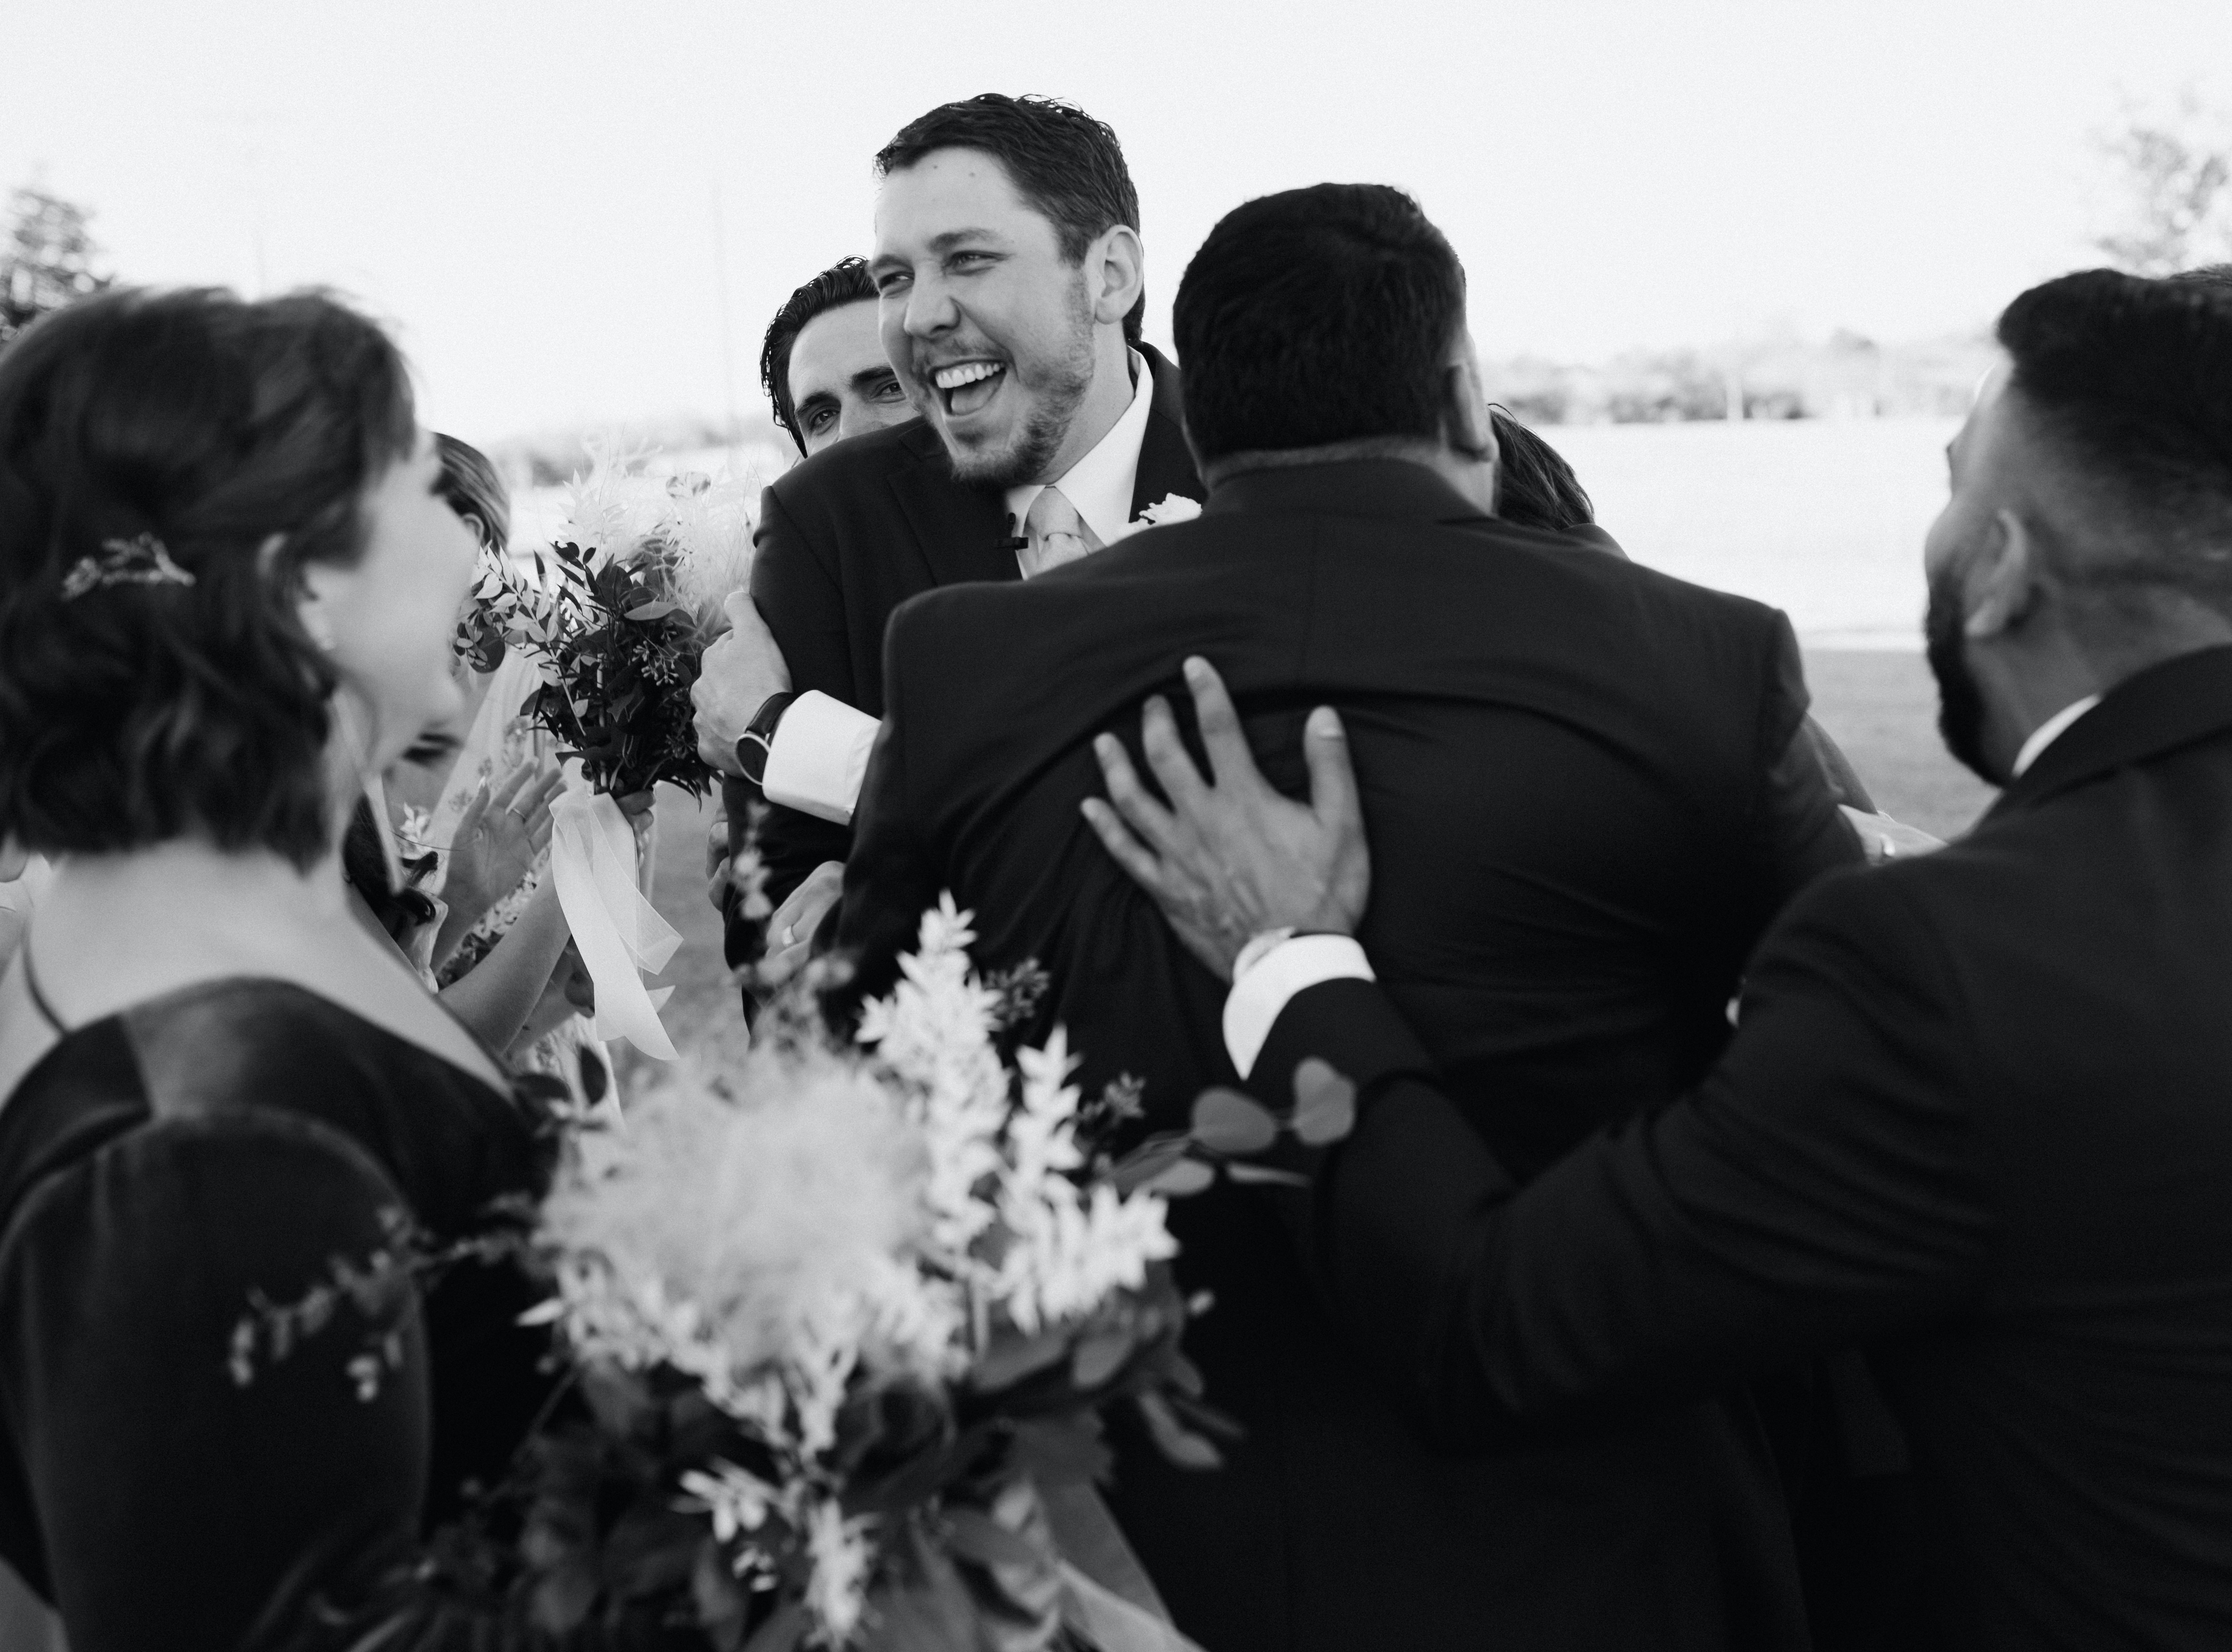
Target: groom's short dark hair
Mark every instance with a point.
(1317, 316)
(1066, 164)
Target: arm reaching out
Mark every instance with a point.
(1815, 1191)
(498, 836)
(740, 671)
(1231, 858)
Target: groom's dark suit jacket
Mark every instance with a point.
(1978, 1117)
(854, 531)
(1587, 793)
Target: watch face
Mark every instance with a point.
(751, 757)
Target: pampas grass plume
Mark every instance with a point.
(762, 1200)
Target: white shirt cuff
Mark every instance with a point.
(818, 755)
(1257, 997)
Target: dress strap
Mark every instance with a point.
(39, 999)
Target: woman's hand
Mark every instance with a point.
(569, 991)
(790, 932)
(498, 837)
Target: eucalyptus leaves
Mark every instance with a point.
(1228, 1131)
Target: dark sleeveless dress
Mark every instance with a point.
(157, 1167)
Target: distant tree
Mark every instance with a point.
(1664, 387)
(2173, 164)
(46, 261)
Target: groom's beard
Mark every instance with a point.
(1057, 387)
(1960, 702)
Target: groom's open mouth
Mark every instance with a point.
(965, 387)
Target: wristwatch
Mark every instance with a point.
(757, 742)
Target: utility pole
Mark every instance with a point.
(728, 328)
(246, 133)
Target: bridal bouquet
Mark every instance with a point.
(883, 1301)
(615, 614)
(614, 618)
(845, 1320)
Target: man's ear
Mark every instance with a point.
(2002, 581)
(1464, 413)
(1115, 273)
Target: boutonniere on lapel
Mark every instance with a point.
(1171, 507)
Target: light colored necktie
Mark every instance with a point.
(1055, 533)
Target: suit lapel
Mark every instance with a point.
(958, 528)
(2164, 707)
(1165, 462)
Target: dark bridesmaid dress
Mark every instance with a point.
(160, 1168)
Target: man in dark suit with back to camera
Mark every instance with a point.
(1011, 281)
(1977, 1117)
(1581, 945)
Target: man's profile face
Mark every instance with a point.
(841, 383)
(988, 326)
(1977, 460)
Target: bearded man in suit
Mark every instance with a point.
(1011, 281)
(1974, 1118)
(1348, 551)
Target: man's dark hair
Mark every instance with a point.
(846, 282)
(1066, 164)
(2130, 380)
(1535, 488)
(2208, 276)
(1317, 316)
(243, 438)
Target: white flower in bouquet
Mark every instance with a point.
(711, 522)
(703, 523)
(614, 507)
(1069, 1248)
(998, 1164)
(823, 1223)
(936, 1032)
(842, 1560)
(769, 1232)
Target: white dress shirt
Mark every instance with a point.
(1101, 484)
(821, 748)
(2051, 730)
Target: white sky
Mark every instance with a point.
(527, 191)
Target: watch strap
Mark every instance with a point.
(757, 742)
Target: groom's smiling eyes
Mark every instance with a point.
(960, 253)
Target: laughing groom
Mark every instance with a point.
(1011, 281)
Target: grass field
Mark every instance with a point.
(1880, 706)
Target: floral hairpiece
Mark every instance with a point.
(141, 560)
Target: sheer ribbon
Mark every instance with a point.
(592, 858)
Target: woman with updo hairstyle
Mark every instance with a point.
(227, 585)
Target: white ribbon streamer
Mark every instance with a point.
(1114, 1623)
(593, 860)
